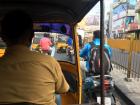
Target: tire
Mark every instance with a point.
(58, 51)
(113, 100)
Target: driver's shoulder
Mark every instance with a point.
(42, 57)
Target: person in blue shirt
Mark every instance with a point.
(85, 51)
(69, 41)
(70, 45)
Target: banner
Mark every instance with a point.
(93, 20)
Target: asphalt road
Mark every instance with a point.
(61, 56)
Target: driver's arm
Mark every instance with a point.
(61, 84)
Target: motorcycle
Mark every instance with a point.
(51, 52)
(92, 89)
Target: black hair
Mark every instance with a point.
(96, 34)
(80, 40)
(15, 24)
(46, 35)
(46, 29)
(63, 29)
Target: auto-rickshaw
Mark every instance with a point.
(61, 45)
(52, 15)
(2, 47)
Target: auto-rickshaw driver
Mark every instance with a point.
(27, 76)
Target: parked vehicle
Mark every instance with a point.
(61, 45)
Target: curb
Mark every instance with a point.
(123, 96)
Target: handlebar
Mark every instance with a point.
(98, 76)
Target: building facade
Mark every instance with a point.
(123, 16)
(137, 10)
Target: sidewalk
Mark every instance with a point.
(129, 89)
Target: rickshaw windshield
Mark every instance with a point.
(59, 43)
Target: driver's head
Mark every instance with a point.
(63, 29)
(96, 34)
(17, 28)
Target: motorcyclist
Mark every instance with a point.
(45, 44)
(85, 52)
(69, 50)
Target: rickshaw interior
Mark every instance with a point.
(49, 17)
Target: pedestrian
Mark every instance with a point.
(27, 76)
(80, 41)
(70, 45)
(70, 41)
(85, 52)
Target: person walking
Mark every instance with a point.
(85, 52)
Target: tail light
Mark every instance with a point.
(106, 84)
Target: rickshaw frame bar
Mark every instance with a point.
(101, 49)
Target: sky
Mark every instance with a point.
(96, 9)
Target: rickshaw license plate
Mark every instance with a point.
(107, 100)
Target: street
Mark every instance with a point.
(119, 99)
(61, 56)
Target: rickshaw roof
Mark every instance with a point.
(69, 11)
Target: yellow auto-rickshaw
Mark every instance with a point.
(61, 45)
(55, 14)
(2, 47)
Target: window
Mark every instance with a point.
(59, 34)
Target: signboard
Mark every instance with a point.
(122, 14)
(133, 26)
(123, 1)
(119, 24)
(115, 4)
(93, 20)
(119, 16)
(131, 13)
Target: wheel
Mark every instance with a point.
(113, 100)
(58, 51)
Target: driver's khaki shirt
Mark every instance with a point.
(27, 76)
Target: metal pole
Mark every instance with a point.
(130, 59)
(101, 49)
